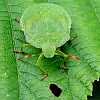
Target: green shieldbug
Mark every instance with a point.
(46, 26)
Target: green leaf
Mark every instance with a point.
(20, 79)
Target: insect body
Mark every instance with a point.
(46, 26)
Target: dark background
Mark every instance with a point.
(96, 91)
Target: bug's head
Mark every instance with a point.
(48, 50)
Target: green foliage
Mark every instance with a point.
(20, 79)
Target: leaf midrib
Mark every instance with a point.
(12, 31)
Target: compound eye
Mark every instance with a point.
(55, 47)
(41, 48)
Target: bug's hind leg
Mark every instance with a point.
(44, 76)
(71, 39)
(19, 22)
(63, 67)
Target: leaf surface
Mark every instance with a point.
(20, 79)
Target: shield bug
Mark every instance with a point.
(46, 26)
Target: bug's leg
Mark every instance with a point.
(64, 55)
(72, 38)
(22, 46)
(25, 45)
(44, 76)
(24, 57)
(32, 55)
(64, 67)
(18, 51)
(19, 22)
(39, 59)
(38, 62)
